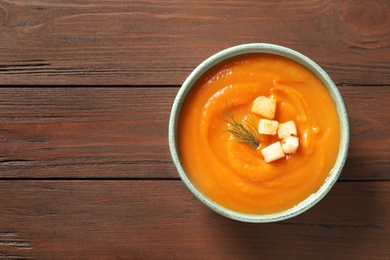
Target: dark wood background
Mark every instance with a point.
(85, 169)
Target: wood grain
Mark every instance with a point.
(85, 132)
(159, 43)
(369, 119)
(161, 219)
(114, 133)
(85, 172)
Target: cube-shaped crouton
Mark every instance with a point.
(287, 129)
(273, 152)
(290, 144)
(268, 127)
(264, 107)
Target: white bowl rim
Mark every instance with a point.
(270, 49)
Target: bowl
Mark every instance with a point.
(265, 48)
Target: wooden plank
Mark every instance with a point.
(85, 132)
(161, 219)
(369, 119)
(113, 133)
(160, 43)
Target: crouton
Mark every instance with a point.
(268, 127)
(287, 129)
(264, 107)
(290, 144)
(273, 152)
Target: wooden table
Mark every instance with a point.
(86, 173)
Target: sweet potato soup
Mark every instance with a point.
(234, 173)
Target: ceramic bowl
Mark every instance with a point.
(270, 49)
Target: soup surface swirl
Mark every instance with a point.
(234, 174)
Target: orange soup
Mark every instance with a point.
(235, 174)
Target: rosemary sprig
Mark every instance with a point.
(245, 134)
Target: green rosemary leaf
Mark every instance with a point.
(242, 133)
